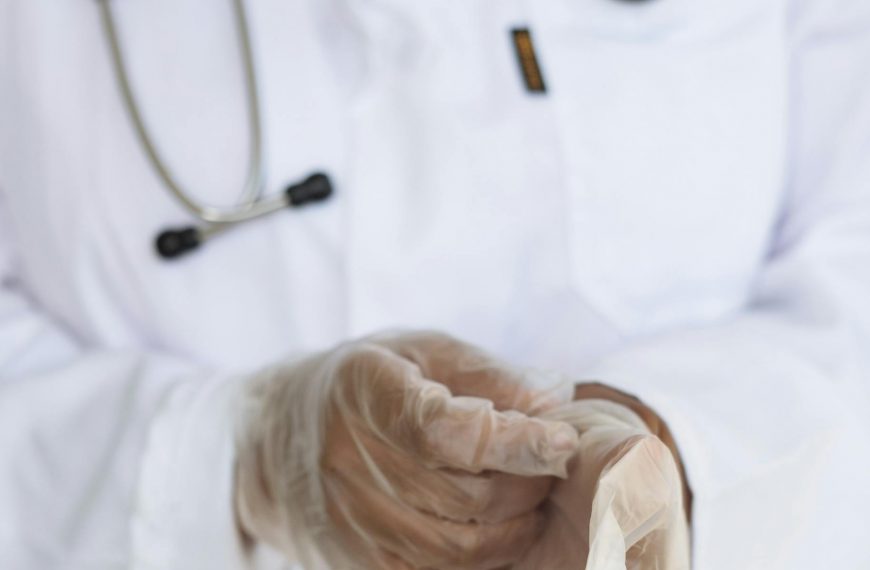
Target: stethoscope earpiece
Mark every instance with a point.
(176, 242)
(315, 188)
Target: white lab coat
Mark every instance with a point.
(685, 215)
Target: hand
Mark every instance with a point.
(621, 505)
(656, 425)
(359, 454)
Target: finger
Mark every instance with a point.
(358, 549)
(467, 434)
(389, 561)
(490, 497)
(451, 494)
(361, 556)
(386, 395)
(467, 370)
(426, 541)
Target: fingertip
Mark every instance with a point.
(564, 439)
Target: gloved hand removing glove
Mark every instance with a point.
(621, 507)
(361, 457)
(656, 425)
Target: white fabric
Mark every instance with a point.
(187, 476)
(685, 214)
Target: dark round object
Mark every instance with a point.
(174, 243)
(315, 188)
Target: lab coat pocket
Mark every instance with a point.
(672, 152)
(617, 19)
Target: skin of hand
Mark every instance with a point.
(658, 427)
(429, 460)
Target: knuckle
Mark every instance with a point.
(429, 427)
(355, 361)
(362, 372)
(482, 494)
(427, 441)
(442, 446)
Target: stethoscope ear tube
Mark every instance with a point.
(176, 242)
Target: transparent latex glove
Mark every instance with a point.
(359, 458)
(621, 507)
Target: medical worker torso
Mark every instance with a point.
(636, 194)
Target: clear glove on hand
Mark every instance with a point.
(621, 507)
(359, 458)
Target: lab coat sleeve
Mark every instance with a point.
(770, 407)
(108, 459)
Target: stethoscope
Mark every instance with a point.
(174, 242)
